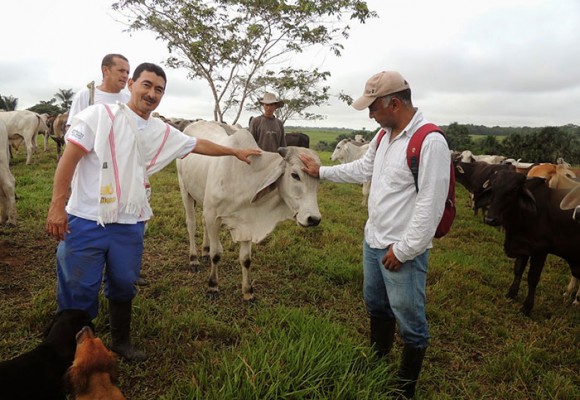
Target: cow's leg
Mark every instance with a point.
(59, 144)
(189, 205)
(212, 225)
(245, 261)
(536, 265)
(30, 149)
(519, 268)
(45, 141)
(205, 247)
(572, 291)
(7, 199)
(365, 192)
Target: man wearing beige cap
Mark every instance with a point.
(402, 219)
(267, 129)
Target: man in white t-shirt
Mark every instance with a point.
(112, 150)
(115, 69)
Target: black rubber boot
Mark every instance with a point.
(142, 281)
(409, 370)
(382, 335)
(120, 324)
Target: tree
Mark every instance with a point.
(297, 87)
(229, 43)
(65, 96)
(8, 103)
(46, 107)
(489, 145)
(458, 137)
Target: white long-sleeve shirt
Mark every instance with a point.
(397, 212)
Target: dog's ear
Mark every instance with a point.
(76, 380)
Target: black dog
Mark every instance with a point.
(39, 373)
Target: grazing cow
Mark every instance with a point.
(59, 129)
(93, 374)
(298, 139)
(535, 226)
(249, 199)
(47, 119)
(23, 126)
(7, 181)
(39, 374)
(473, 175)
(348, 150)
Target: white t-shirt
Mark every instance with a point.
(81, 100)
(158, 151)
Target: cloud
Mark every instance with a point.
(498, 62)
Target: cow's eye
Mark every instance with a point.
(295, 176)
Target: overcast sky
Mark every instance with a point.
(493, 62)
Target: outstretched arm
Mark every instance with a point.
(210, 148)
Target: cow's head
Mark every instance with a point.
(298, 189)
(507, 198)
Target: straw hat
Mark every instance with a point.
(271, 98)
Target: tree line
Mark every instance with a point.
(545, 144)
(58, 104)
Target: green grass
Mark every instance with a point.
(306, 336)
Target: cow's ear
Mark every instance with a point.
(459, 169)
(268, 184)
(483, 199)
(528, 202)
(571, 200)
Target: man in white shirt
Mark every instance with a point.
(115, 70)
(111, 152)
(402, 220)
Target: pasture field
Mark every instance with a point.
(306, 336)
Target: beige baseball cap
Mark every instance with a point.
(379, 85)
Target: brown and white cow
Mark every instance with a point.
(59, 128)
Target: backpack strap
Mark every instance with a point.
(414, 147)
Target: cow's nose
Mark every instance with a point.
(313, 221)
(491, 221)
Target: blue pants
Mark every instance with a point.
(399, 295)
(82, 257)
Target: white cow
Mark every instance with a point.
(348, 150)
(468, 156)
(23, 126)
(7, 182)
(249, 199)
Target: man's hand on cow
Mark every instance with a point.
(391, 262)
(57, 223)
(311, 167)
(244, 154)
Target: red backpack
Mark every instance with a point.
(413, 155)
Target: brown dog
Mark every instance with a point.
(94, 371)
